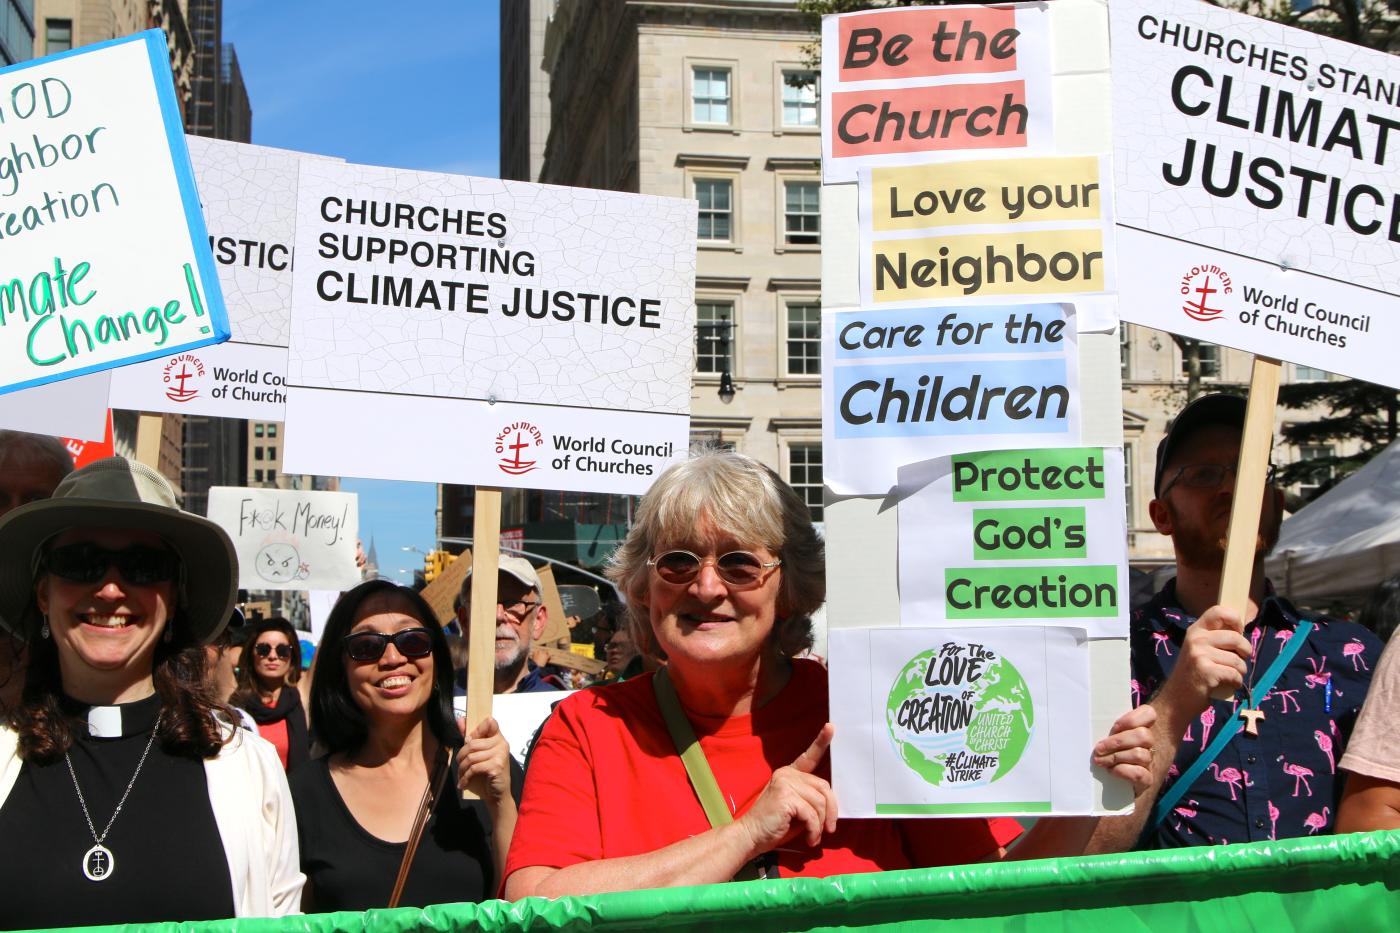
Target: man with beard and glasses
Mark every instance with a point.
(520, 620)
(1262, 764)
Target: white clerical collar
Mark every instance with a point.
(105, 722)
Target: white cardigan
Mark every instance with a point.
(246, 777)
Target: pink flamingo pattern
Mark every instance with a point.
(1324, 742)
(1189, 811)
(1273, 821)
(1319, 676)
(1231, 776)
(1188, 737)
(1300, 774)
(1316, 821)
(1282, 636)
(1287, 696)
(1354, 649)
(1137, 692)
(1254, 637)
(1207, 723)
(1163, 641)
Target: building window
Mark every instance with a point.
(714, 327)
(257, 476)
(272, 476)
(258, 430)
(802, 213)
(257, 453)
(805, 475)
(716, 197)
(1125, 349)
(1210, 361)
(1313, 484)
(710, 95)
(804, 338)
(800, 98)
(272, 453)
(272, 430)
(1303, 373)
(1128, 458)
(58, 35)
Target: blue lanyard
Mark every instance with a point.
(1233, 726)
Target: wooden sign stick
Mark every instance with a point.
(481, 639)
(148, 437)
(1241, 545)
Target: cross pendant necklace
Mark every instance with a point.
(1251, 714)
(98, 862)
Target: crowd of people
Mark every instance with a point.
(181, 772)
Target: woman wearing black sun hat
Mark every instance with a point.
(152, 805)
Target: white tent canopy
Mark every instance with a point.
(1346, 541)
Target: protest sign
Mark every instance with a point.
(911, 85)
(520, 716)
(249, 195)
(488, 332)
(86, 451)
(289, 539)
(987, 231)
(910, 384)
(106, 257)
(977, 721)
(1018, 536)
(74, 407)
(1257, 170)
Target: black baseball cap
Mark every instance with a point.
(1205, 411)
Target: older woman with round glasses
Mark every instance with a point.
(382, 703)
(722, 571)
(127, 794)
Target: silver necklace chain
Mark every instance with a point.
(126, 793)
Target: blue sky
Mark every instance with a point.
(411, 85)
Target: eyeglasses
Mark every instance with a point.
(1209, 476)
(520, 609)
(85, 562)
(737, 568)
(370, 646)
(263, 649)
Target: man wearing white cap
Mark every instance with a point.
(521, 618)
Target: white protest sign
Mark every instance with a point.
(1258, 203)
(987, 232)
(249, 195)
(910, 384)
(106, 260)
(288, 539)
(1018, 536)
(70, 408)
(488, 332)
(903, 86)
(958, 723)
(520, 716)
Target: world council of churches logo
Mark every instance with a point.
(1202, 290)
(512, 442)
(177, 375)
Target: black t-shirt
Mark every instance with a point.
(349, 869)
(168, 858)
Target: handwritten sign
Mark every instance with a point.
(906, 385)
(1018, 536)
(288, 539)
(979, 721)
(912, 85)
(506, 333)
(1258, 202)
(106, 259)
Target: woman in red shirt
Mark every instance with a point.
(722, 571)
(267, 677)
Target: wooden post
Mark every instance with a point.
(148, 438)
(1250, 475)
(481, 636)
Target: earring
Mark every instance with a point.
(44, 630)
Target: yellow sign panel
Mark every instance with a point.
(989, 191)
(1032, 263)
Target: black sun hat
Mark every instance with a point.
(119, 493)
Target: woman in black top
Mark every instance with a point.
(382, 701)
(267, 689)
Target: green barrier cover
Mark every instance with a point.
(1315, 883)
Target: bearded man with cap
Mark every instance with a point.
(127, 794)
(1260, 765)
(521, 618)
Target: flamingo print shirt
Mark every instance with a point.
(1282, 782)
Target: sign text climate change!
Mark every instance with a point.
(74, 296)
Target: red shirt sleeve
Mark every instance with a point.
(936, 843)
(558, 824)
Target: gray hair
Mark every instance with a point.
(747, 501)
(18, 448)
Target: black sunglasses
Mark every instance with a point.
(370, 646)
(85, 562)
(262, 649)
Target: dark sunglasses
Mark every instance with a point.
(85, 562)
(370, 646)
(262, 649)
(1209, 476)
(737, 568)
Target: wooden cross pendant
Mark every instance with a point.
(1251, 719)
